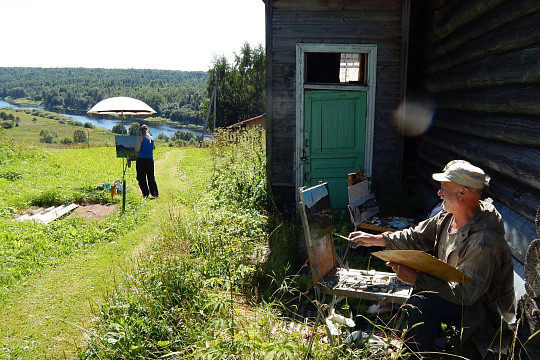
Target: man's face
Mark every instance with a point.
(448, 193)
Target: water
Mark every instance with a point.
(109, 123)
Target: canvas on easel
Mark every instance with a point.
(362, 204)
(125, 146)
(327, 274)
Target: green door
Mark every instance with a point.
(334, 139)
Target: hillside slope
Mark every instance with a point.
(45, 319)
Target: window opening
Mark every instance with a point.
(336, 68)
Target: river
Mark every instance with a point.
(108, 123)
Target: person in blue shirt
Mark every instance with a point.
(145, 163)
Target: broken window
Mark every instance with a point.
(336, 68)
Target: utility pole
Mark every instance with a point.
(215, 101)
(213, 97)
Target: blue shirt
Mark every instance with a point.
(147, 148)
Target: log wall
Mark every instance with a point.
(289, 22)
(479, 61)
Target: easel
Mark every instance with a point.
(330, 275)
(125, 164)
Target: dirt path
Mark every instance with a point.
(56, 304)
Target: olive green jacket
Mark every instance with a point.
(480, 251)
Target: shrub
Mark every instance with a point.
(134, 128)
(119, 129)
(6, 124)
(182, 135)
(162, 136)
(240, 178)
(48, 139)
(79, 136)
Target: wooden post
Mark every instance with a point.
(537, 221)
(123, 195)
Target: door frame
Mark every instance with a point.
(301, 87)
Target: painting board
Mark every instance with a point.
(125, 146)
(316, 214)
(421, 261)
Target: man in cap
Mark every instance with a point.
(467, 234)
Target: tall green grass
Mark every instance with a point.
(200, 295)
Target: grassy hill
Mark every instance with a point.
(27, 129)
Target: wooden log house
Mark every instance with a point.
(477, 62)
(335, 77)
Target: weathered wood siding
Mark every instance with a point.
(289, 22)
(479, 60)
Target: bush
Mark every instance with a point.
(46, 136)
(88, 125)
(241, 180)
(182, 135)
(134, 128)
(162, 136)
(79, 136)
(74, 122)
(6, 124)
(66, 141)
(119, 129)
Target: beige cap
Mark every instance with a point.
(463, 173)
(143, 127)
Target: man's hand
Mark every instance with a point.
(360, 238)
(404, 273)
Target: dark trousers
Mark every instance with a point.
(145, 177)
(426, 313)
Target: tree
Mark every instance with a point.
(134, 128)
(46, 136)
(79, 89)
(79, 136)
(119, 129)
(162, 136)
(240, 87)
(182, 135)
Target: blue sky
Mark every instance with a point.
(142, 34)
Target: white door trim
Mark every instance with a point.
(301, 50)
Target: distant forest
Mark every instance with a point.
(175, 95)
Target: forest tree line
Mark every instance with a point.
(180, 96)
(175, 95)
